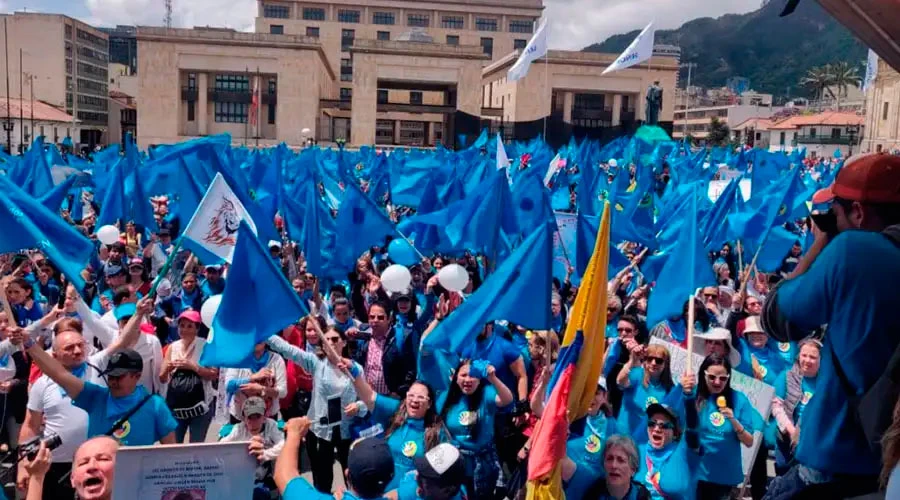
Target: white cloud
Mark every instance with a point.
(237, 14)
(576, 24)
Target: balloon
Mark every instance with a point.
(108, 234)
(209, 309)
(396, 278)
(453, 277)
(401, 252)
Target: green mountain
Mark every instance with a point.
(773, 52)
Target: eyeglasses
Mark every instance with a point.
(625, 330)
(655, 360)
(717, 378)
(416, 397)
(656, 424)
(377, 316)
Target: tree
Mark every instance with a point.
(719, 133)
(818, 79)
(842, 76)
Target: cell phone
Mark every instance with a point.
(334, 410)
(61, 302)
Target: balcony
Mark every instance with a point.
(188, 94)
(238, 96)
(843, 140)
(604, 114)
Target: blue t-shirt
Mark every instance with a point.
(635, 400)
(786, 350)
(409, 490)
(808, 388)
(856, 267)
(670, 473)
(26, 316)
(500, 353)
(209, 289)
(406, 442)
(472, 430)
(585, 448)
(721, 460)
(300, 489)
(152, 422)
(770, 361)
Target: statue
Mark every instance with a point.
(654, 103)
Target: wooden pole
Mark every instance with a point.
(689, 368)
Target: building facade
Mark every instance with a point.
(695, 122)
(883, 111)
(64, 62)
(123, 46)
(24, 119)
(821, 134)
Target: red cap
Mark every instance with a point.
(190, 315)
(871, 178)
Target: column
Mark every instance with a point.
(396, 139)
(568, 104)
(202, 100)
(364, 104)
(617, 110)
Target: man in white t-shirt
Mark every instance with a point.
(50, 410)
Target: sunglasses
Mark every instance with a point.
(625, 330)
(711, 295)
(717, 378)
(656, 424)
(377, 316)
(655, 360)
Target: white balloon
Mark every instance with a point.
(453, 277)
(396, 278)
(108, 235)
(209, 309)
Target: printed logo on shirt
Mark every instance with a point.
(592, 444)
(650, 401)
(806, 397)
(409, 449)
(763, 371)
(784, 346)
(468, 417)
(717, 419)
(123, 432)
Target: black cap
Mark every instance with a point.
(124, 361)
(370, 466)
(655, 408)
(443, 466)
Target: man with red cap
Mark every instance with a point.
(847, 280)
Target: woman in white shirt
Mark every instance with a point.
(266, 379)
(190, 394)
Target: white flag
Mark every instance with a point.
(639, 51)
(536, 48)
(214, 226)
(502, 159)
(871, 70)
(552, 169)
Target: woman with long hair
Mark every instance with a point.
(20, 294)
(644, 380)
(468, 409)
(793, 392)
(332, 392)
(412, 426)
(727, 421)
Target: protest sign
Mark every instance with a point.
(563, 244)
(195, 471)
(716, 188)
(759, 394)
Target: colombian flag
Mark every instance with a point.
(574, 380)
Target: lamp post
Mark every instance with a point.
(687, 99)
(852, 131)
(7, 124)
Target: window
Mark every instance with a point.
(231, 112)
(384, 131)
(781, 139)
(835, 133)
(487, 46)
(192, 81)
(347, 37)
(382, 96)
(313, 14)
(312, 31)
(453, 22)
(452, 40)
(346, 70)
(384, 35)
(418, 20)
(812, 132)
(69, 31)
(272, 92)
(519, 44)
(190, 111)
(92, 71)
(521, 26)
(415, 97)
(234, 83)
(884, 111)
(346, 94)
(485, 24)
(348, 16)
(276, 11)
(276, 29)
(383, 18)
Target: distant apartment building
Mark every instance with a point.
(695, 122)
(123, 46)
(64, 62)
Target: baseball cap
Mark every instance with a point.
(868, 178)
(370, 466)
(656, 408)
(442, 465)
(115, 270)
(136, 264)
(191, 315)
(124, 310)
(124, 361)
(254, 405)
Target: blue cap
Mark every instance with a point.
(125, 310)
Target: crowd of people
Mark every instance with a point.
(118, 364)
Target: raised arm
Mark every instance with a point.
(363, 390)
(287, 465)
(306, 360)
(504, 395)
(93, 326)
(132, 330)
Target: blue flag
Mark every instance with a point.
(53, 199)
(257, 303)
(360, 225)
(586, 234)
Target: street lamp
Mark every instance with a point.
(852, 131)
(687, 100)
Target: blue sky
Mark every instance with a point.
(574, 24)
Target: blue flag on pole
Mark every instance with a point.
(257, 303)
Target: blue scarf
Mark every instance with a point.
(597, 424)
(117, 407)
(659, 457)
(187, 299)
(79, 372)
(258, 364)
(4, 360)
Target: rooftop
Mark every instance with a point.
(755, 123)
(42, 111)
(833, 118)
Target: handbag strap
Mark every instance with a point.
(119, 423)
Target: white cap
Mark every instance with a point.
(613, 163)
(601, 383)
(442, 457)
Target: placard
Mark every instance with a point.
(204, 471)
(564, 244)
(760, 394)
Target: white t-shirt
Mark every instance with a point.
(177, 351)
(61, 417)
(276, 366)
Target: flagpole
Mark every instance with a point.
(547, 86)
(689, 366)
(165, 268)
(247, 118)
(258, 96)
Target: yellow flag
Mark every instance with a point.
(549, 488)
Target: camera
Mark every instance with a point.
(31, 447)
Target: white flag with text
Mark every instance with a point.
(536, 48)
(639, 51)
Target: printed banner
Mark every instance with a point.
(196, 472)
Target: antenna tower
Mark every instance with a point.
(168, 19)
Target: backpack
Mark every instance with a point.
(186, 396)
